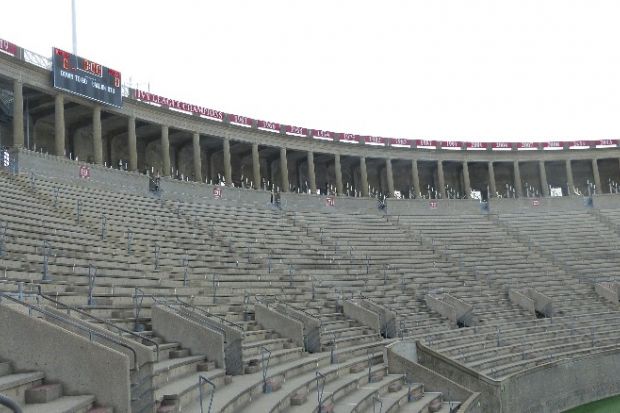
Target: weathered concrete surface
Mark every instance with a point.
(357, 312)
(518, 298)
(198, 338)
(312, 327)
(83, 367)
(400, 359)
(608, 291)
(280, 323)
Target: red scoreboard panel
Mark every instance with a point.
(86, 78)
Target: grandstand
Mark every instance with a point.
(163, 257)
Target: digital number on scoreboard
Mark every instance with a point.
(86, 78)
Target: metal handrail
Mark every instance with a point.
(207, 313)
(90, 331)
(201, 380)
(10, 403)
(99, 320)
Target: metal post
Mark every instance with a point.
(56, 191)
(216, 279)
(290, 275)
(78, 209)
(104, 223)
(185, 263)
(92, 276)
(204, 380)
(10, 403)
(46, 251)
(3, 229)
(320, 386)
(156, 253)
(129, 240)
(265, 356)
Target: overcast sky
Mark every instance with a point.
(444, 69)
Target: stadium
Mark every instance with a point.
(160, 256)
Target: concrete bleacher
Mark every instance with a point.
(160, 268)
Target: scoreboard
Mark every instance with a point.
(86, 78)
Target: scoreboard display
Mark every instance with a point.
(86, 78)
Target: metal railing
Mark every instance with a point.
(10, 403)
(91, 333)
(108, 324)
(205, 380)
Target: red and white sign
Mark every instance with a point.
(432, 204)
(349, 137)
(296, 130)
(476, 145)
(240, 120)
(217, 192)
(451, 144)
(330, 201)
(8, 47)
(421, 143)
(535, 202)
(270, 126)
(581, 144)
(527, 145)
(84, 172)
(400, 142)
(178, 105)
(608, 142)
(374, 140)
(322, 134)
(552, 145)
(502, 145)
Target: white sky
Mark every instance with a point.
(435, 69)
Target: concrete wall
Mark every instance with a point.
(67, 171)
(312, 327)
(532, 205)
(83, 367)
(196, 337)
(564, 384)
(442, 308)
(368, 318)
(280, 323)
(304, 202)
(434, 207)
(398, 357)
(606, 291)
(523, 301)
(489, 389)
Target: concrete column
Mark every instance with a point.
(338, 170)
(196, 152)
(517, 183)
(132, 144)
(256, 166)
(415, 178)
(283, 170)
(165, 151)
(492, 187)
(311, 174)
(441, 180)
(597, 176)
(364, 176)
(569, 177)
(59, 119)
(97, 142)
(543, 178)
(389, 177)
(227, 164)
(466, 181)
(18, 114)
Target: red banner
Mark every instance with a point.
(476, 145)
(296, 130)
(582, 144)
(374, 140)
(400, 142)
(608, 142)
(177, 104)
(502, 145)
(552, 145)
(451, 144)
(349, 137)
(8, 47)
(527, 145)
(272, 126)
(425, 143)
(322, 134)
(240, 120)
